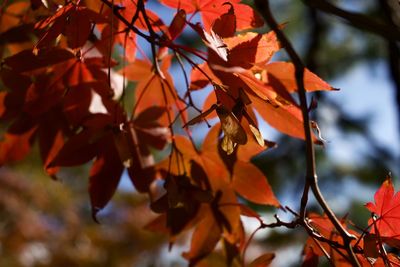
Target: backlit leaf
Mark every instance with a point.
(104, 176)
(249, 182)
(15, 147)
(204, 239)
(210, 10)
(387, 208)
(263, 260)
(284, 72)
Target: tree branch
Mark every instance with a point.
(311, 176)
(357, 20)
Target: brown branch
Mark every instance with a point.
(390, 10)
(313, 233)
(152, 39)
(326, 254)
(357, 20)
(311, 176)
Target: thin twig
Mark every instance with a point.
(380, 243)
(248, 243)
(327, 256)
(154, 36)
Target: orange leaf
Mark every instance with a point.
(387, 207)
(208, 103)
(197, 78)
(250, 182)
(285, 118)
(210, 10)
(204, 239)
(15, 147)
(225, 25)
(284, 72)
(11, 15)
(201, 116)
(263, 260)
(252, 148)
(264, 91)
(249, 49)
(153, 89)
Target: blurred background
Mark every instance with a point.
(48, 223)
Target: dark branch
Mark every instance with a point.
(357, 20)
(311, 176)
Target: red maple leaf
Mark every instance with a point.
(387, 208)
(211, 10)
(73, 20)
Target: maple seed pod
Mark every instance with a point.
(233, 132)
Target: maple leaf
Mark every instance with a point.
(73, 20)
(128, 8)
(133, 141)
(51, 139)
(96, 141)
(134, 157)
(204, 239)
(154, 89)
(12, 99)
(177, 25)
(240, 63)
(251, 49)
(104, 176)
(225, 25)
(246, 179)
(208, 169)
(214, 42)
(249, 182)
(63, 100)
(323, 225)
(27, 62)
(181, 202)
(210, 10)
(120, 34)
(198, 80)
(263, 260)
(11, 15)
(15, 147)
(150, 132)
(284, 73)
(387, 208)
(284, 116)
